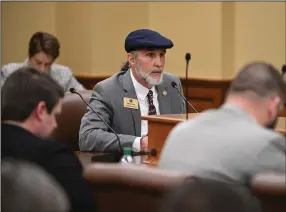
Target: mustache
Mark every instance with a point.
(156, 71)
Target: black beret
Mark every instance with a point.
(146, 39)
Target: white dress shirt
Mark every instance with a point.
(141, 93)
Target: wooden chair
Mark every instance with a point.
(270, 188)
(69, 120)
(129, 188)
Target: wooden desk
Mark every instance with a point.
(85, 158)
(160, 126)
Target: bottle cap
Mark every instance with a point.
(127, 151)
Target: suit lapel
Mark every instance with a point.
(164, 99)
(130, 93)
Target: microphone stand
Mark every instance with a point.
(107, 157)
(187, 57)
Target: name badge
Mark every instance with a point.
(130, 103)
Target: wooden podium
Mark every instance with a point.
(159, 127)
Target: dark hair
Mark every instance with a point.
(125, 66)
(24, 89)
(207, 195)
(283, 69)
(44, 42)
(261, 78)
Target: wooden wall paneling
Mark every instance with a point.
(205, 94)
(89, 81)
(202, 93)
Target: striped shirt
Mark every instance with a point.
(62, 74)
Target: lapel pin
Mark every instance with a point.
(164, 92)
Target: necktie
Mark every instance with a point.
(152, 109)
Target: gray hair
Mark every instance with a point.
(26, 187)
(126, 64)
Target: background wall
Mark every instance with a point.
(260, 32)
(19, 21)
(221, 36)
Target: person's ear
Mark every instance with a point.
(40, 110)
(274, 106)
(131, 59)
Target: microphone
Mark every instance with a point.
(174, 85)
(116, 157)
(188, 58)
(153, 152)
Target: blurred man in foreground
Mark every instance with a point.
(206, 195)
(237, 140)
(26, 187)
(31, 100)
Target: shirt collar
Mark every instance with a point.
(140, 90)
(26, 62)
(238, 110)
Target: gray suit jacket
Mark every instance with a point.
(107, 101)
(225, 144)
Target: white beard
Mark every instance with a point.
(148, 77)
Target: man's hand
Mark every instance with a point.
(144, 143)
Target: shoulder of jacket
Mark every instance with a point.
(11, 67)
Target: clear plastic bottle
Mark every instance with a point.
(127, 156)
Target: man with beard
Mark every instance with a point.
(237, 140)
(140, 88)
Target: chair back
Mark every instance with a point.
(270, 188)
(131, 188)
(69, 120)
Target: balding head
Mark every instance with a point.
(259, 83)
(261, 78)
(207, 195)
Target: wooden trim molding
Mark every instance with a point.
(89, 81)
(202, 93)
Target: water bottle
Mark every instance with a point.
(127, 157)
